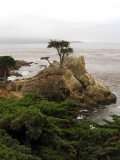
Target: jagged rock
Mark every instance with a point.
(76, 65)
(72, 82)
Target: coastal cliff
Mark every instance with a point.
(72, 82)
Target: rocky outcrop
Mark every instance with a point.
(72, 82)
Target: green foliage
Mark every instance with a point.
(6, 62)
(35, 129)
(10, 149)
(31, 99)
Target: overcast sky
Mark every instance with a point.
(83, 20)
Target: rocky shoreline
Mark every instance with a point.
(72, 82)
(19, 64)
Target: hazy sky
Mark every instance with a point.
(84, 20)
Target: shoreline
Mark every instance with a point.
(101, 63)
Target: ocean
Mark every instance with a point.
(102, 61)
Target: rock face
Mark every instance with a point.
(72, 82)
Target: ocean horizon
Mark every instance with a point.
(81, 45)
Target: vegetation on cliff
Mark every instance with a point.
(35, 129)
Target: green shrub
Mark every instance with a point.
(34, 129)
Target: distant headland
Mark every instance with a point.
(28, 40)
(76, 42)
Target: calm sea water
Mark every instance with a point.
(15, 47)
(102, 61)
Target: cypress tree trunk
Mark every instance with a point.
(61, 63)
(48, 61)
(5, 76)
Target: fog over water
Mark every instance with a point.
(83, 20)
(102, 61)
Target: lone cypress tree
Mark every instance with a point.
(6, 62)
(62, 48)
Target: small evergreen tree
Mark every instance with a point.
(6, 62)
(46, 58)
(62, 48)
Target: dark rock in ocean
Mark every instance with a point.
(13, 73)
(20, 63)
